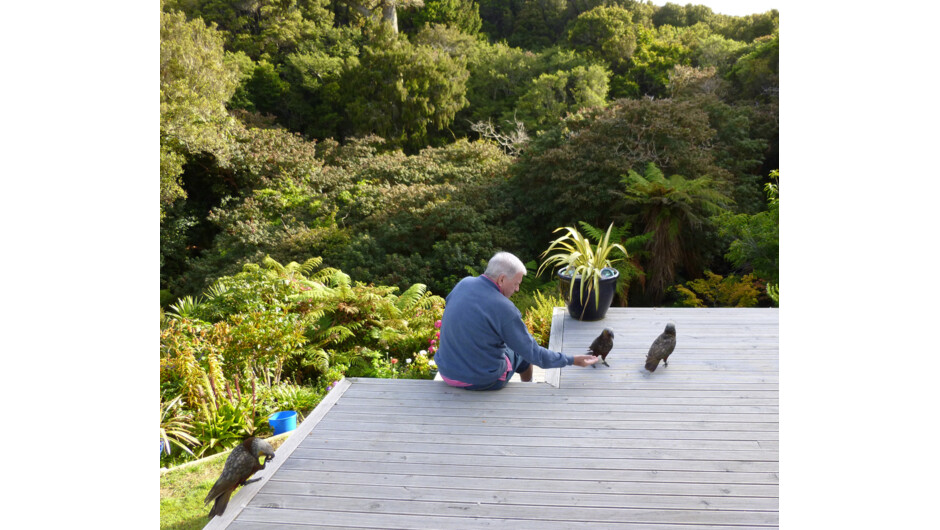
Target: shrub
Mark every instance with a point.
(539, 317)
(717, 291)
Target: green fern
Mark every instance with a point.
(310, 265)
(293, 270)
(410, 298)
(270, 263)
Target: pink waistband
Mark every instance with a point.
(453, 382)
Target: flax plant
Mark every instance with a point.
(175, 426)
(575, 254)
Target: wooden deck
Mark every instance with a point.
(691, 446)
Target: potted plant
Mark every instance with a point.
(586, 266)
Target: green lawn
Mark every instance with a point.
(182, 491)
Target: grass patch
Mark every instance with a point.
(183, 490)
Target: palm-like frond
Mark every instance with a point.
(175, 427)
(216, 290)
(185, 307)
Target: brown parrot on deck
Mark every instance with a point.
(602, 346)
(661, 348)
(241, 464)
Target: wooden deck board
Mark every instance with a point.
(694, 445)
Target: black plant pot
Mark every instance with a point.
(586, 309)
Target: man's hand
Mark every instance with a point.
(585, 360)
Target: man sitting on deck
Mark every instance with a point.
(483, 338)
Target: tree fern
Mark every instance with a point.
(674, 210)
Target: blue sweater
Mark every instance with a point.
(478, 323)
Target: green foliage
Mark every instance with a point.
(552, 95)
(221, 417)
(746, 28)
(316, 73)
(715, 50)
(739, 148)
(756, 74)
(403, 92)
(239, 185)
(421, 366)
(265, 90)
(175, 426)
(717, 291)
(263, 29)
(606, 33)
(287, 396)
(755, 238)
(499, 75)
(462, 15)
(185, 307)
(195, 83)
(773, 291)
(573, 173)
(276, 325)
(424, 218)
(223, 428)
(538, 24)
(670, 14)
(655, 56)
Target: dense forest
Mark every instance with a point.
(405, 142)
(330, 168)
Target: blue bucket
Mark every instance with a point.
(283, 421)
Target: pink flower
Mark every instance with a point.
(438, 335)
(437, 324)
(394, 361)
(432, 341)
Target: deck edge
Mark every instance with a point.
(556, 343)
(248, 492)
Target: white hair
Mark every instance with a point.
(504, 263)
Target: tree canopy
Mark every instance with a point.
(406, 141)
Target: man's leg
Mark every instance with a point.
(526, 376)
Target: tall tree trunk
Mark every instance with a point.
(389, 11)
(390, 15)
